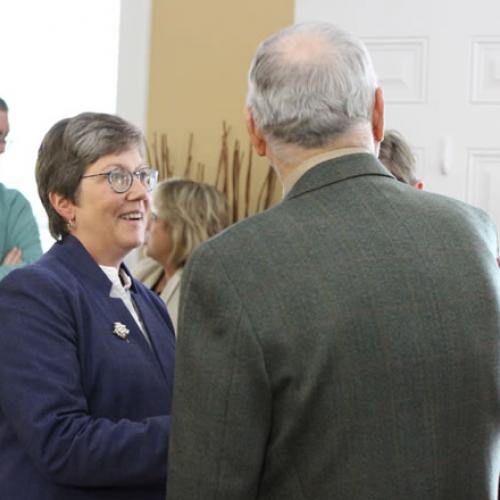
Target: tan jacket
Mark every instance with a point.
(149, 272)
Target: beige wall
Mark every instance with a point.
(200, 54)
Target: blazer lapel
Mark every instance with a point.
(162, 339)
(73, 255)
(114, 310)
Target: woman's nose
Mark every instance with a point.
(138, 190)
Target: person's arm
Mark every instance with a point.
(222, 399)
(12, 257)
(42, 394)
(22, 234)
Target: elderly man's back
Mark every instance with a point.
(375, 337)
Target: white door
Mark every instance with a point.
(438, 62)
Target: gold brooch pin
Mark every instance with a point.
(120, 330)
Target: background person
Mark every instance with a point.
(344, 344)
(86, 351)
(19, 236)
(397, 156)
(184, 214)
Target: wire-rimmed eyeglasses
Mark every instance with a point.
(121, 179)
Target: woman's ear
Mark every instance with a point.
(63, 206)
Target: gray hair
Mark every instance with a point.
(3, 106)
(397, 156)
(70, 147)
(310, 83)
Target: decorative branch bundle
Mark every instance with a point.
(229, 179)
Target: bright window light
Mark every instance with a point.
(59, 58)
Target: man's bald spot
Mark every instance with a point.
(304, 47)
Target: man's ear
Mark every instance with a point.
(256, 136)
(378, 116)
(64, 207)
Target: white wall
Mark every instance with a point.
(63, 58)
(133, 61)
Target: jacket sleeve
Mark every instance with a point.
(222, 400)
(22, 232)
(43, 401)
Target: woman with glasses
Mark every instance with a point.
(86, 351)
(185, 213)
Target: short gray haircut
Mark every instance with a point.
(3, 106)
(397, 156)
(70, 147)
(310, 97)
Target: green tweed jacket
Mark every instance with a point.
(343, 345)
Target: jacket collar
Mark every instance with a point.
(337, 170)
(73, 254)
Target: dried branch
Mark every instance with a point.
(236, 180)
(165, 158)
(266, 191)
(223, 159)
(260, 197)
(271, 184)
(155, 151)
(248, 183)
(187, 170)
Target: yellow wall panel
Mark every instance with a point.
(200, 54)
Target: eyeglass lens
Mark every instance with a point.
(121, 179)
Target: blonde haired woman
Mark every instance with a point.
(184, 214)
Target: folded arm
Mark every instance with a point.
(22, 238)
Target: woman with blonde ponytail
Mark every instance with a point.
(184, 214)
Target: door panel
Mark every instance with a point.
(439, 66)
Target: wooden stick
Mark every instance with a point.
(260, 204)
(155, 151)
(187, 170)
(248, 182)
(165, 156)
(222, 168)
(236, 180)
(271, 183)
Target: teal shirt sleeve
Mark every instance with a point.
(18, 228)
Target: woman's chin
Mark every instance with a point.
(133, 244)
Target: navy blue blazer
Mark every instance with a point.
(84, 414)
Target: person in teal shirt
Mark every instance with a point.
(19, 235)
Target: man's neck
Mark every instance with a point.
(291, 162)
